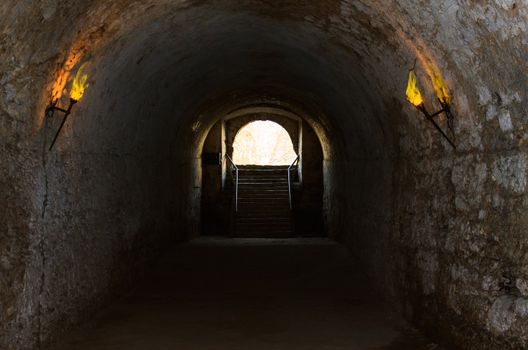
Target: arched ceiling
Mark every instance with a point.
(161, 72)
(353, 53)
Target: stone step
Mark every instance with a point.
(255, 201)
(263, 229)
(247, 197)
(249, 193)
(258, 182)
(267, 188)
(263, 222)
(263, 171)
(263, 219)
(242, 208)
(258, 212)
(268, 182)
(266, 213)
(264, 234)
(263, 203)
(278, 193)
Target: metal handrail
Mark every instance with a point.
(289, 180)
(234, 166)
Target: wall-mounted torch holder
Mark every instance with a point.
(50, 112)
(449, 116)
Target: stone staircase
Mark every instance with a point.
(263, 203)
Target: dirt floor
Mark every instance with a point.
(250, 294)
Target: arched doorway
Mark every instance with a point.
(263, 143)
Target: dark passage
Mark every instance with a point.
(164, 90)
(250, 294)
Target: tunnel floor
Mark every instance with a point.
(250, 294)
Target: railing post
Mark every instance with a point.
(236, 191)
(289, 181)
(289, 188)
(234, 166)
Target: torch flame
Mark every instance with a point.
(414, 96)
(440, 88)
(80, 84)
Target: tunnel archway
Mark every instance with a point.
(306, 173)
(125, 176)
(263, 143)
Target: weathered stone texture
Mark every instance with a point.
(441, 231)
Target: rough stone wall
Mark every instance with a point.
(455, 240)
(308, 199)
(94, 219)
(461, 232)
(216, 205)
(442, 232)
(79, 223)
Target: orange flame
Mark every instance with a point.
(414, 96)
(64, 76)
(437, 80)
(439, 86)
(80, 84)
(419, 47)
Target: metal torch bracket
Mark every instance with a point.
(450, 120)
(50, 112)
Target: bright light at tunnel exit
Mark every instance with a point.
(263, 143)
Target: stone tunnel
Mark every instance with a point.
(440, 233)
